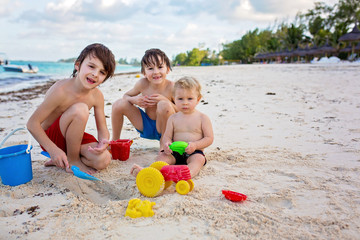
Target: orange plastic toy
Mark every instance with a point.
(120, 149)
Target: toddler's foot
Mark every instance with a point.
(135, 170)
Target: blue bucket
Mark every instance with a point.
(15, 163)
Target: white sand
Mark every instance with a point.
(287, 136)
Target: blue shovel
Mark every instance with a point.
(77, 172)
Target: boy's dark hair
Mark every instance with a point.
(151, 57)
(101, 52)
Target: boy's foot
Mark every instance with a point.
(79, 164)
(135, 170)
(83, 167)
(50, 163)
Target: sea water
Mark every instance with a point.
(13, 81)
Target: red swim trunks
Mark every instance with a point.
(55, 135)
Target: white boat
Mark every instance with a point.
(3, 58)
(20, 68)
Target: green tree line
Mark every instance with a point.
(317, 26)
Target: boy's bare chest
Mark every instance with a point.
(188, 124)
(70, 100)
(150, 91)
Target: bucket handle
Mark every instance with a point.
(9, 135)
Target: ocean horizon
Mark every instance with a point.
(14, 81)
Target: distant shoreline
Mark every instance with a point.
(29, 93)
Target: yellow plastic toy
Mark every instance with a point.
(137, 208)
(151, 181)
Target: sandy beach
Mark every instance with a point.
(287, 136)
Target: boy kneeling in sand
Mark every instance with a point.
(58, 124)
(188, 125)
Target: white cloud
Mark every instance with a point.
(129, 27)
(62, 6)
(8, 7)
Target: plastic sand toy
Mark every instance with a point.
(120, 149)
(151, 181)
(179, 146)
(80, 174)
(137, 208)
(234, 196)
(77, 172)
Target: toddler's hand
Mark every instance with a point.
(166, 148)
(190, 148)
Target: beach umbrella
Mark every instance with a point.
(301, 52)
(357, 47)
(260, 56)
(313, 51)
(271, 55)
(283, 54)
(352, 36)
(307, 53)
(347, 49)
(263, 56)
(290, 54)
(327, 48)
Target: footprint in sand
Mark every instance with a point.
(278, 202)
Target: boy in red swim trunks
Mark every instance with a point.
(58, 124)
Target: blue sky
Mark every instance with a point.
(51, 30)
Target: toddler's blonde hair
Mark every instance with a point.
(188, 83)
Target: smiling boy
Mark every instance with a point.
(58, 124)
(149, 103)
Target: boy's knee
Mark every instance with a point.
(118, 105)
(164, 107)
(80, 111)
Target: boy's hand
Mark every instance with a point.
(59, 159)
(155, 98)
(144, 101)
(149, 101)
(140, 101)
(190, 148)
(101, 147)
